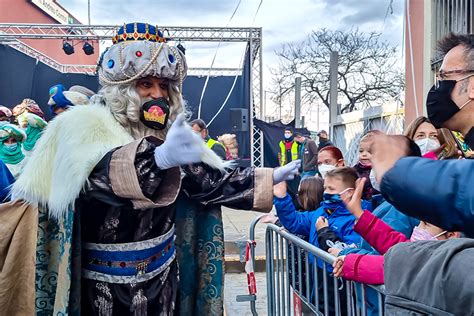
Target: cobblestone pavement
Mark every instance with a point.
(236, 284)
(236, 227)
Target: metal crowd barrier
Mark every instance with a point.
(296, 285)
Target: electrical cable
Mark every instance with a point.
(236, 76)
(213, 60)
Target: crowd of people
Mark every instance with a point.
(398, 215)
(116, 201)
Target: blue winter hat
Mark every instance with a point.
(57, 99)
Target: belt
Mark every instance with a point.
(136, 261)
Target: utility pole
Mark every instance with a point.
(317, 118)
(298, 102)
(333, 92)
(280, 96)
(89, 12)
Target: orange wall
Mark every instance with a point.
(416, 16)
(22, 11)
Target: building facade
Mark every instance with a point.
(426, 21)
(47, 12)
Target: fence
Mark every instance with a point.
(296, 285)
(350, 127)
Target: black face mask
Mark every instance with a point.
(155, 113)
(439, 104)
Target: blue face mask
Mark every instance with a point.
(334, 198)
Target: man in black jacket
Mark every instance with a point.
(324, 139)
(308, 155)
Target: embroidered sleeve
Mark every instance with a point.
(240, 188)
(134, 175)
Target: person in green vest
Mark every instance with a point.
(289, 148)
(200, 127)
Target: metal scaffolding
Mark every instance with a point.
(11, 34)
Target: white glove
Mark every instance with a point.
(287, 172)
(181, 147)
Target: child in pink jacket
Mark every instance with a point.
(369, 268)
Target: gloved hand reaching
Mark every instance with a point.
(181, 147)
(287, 172)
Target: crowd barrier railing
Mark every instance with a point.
(299, 283)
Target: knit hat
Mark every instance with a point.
(140, 50)
(59, 97)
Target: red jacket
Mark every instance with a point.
(369, 268)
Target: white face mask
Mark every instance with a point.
(323, 169)
(373, 180)
(427, 145)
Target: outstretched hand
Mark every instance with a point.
(286, 172)
(353, 203)
(385, 151)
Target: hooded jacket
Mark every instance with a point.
(430, 278)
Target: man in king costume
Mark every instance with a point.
(104, 182)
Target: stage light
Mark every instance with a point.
(88, 48)
(68, 48)
(181, 48)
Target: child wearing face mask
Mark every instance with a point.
(338, 218)
(369, 268)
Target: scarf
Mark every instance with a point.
(11, 156)
(33, 134)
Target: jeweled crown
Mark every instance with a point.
(138, 32)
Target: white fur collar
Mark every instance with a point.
(69, 149)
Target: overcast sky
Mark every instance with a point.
(282, 21)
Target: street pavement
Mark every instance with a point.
(236, 233)
(236, 284)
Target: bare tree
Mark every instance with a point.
(367, 71)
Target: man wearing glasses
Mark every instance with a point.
(450, 100)
(445, 184)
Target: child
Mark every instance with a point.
(364, 166)
(339, 219)
(369, 268)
